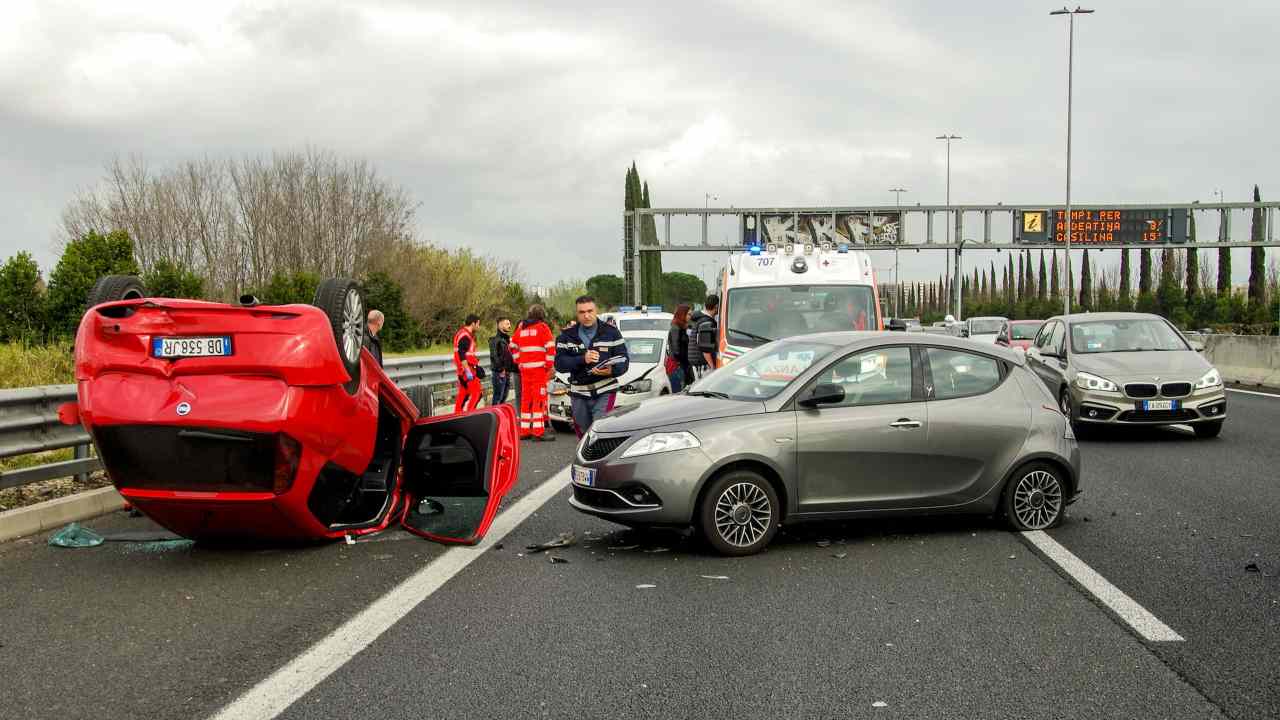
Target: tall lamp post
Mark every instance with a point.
(897, 288)
(949, 137)
(1071, 41)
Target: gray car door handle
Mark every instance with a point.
(905, 423)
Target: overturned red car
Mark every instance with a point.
(248, 421)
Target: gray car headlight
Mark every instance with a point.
(638, 386)
(1211, 379)
(1088, 381)
(662, 442)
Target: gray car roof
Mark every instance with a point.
(853, 339)
(1086, 317)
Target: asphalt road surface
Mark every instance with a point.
(924, 618)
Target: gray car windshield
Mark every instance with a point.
(1024, 331)
(644, 350)
(763, 372)
(1137, 335)
(985, 327)
(631, 324)
(757, 315)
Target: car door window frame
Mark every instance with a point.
(1042, 338)
(1002, 367)
(917, 379)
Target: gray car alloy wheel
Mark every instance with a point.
(352, 325)
(1037, 499)
(742, 514)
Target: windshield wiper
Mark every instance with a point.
(709, 393)
(753, 336)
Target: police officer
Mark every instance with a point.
(594, 355)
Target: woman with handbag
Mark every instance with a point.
(676, 362)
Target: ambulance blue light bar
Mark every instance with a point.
(754, 249)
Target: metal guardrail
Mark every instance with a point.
(29, 419)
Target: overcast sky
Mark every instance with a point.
(512, 126)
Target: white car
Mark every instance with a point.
(645, 377)
(983, 329)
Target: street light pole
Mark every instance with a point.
(1071, 41)
(897, 287)
(949, 138)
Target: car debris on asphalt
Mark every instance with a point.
(563, 540)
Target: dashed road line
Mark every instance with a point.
(1134, 615)
(290, 683)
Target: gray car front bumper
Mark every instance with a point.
(658, 489)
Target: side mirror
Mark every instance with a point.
(1197, 345)
(823, 394)
(896, 325)
(1002, 340)
(964, 332)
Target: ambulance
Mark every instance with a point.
(770, 292)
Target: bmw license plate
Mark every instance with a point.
(1149, 405)
(583, 476)
(180, 347)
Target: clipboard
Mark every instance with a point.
(615, 360)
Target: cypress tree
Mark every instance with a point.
(974, 288)
(1257, 262)
(1022, 277)
(1055, 291)
(1224, 265)
(1010, 292)
(1193, 264)
(1086, 283)
(1144, 272)
(652, 282)
(1042, 286)
(1125, 300)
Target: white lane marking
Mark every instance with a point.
(290, 683)
(1137, 617)
(1254, 392)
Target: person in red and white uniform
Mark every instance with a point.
(467, 363)
(534, 349)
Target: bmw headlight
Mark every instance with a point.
(662, 442)
(1211, 379)
(1087, 381)
(638, 386)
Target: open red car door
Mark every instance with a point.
(457, 469)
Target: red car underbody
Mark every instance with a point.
(266, 442)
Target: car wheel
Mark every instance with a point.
(116, 287)
(739, 514)
(1208, 429)
(1035, 499)
(342, 301)
(422, 398)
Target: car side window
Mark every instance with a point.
(873, 377)
(1059, 339)
(960, 374)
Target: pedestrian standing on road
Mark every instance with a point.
(467, 364)
(501, 363)
(371, 340)
(676, 362)
(704, 331)
(534, 350)
(594, 355)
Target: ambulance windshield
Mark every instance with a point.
(758, 314)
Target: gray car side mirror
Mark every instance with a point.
(822, 394)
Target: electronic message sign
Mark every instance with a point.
(1101, 227)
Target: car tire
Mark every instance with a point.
(112, 288)
(1035, 498)
(422, 398)
(739, 513)
(342, 301)
(1208, 429)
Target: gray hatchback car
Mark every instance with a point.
(1127, 369)
(835, 425)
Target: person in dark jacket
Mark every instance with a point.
(679, 372)
(371, 341)
(704, 337)
(501, 364)
(594, 355)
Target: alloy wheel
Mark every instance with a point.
(742, 514)
(352, 325)
(1037, 500)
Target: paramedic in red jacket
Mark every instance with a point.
(534, 349)
(467, 363)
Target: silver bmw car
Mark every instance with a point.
(836, 425)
